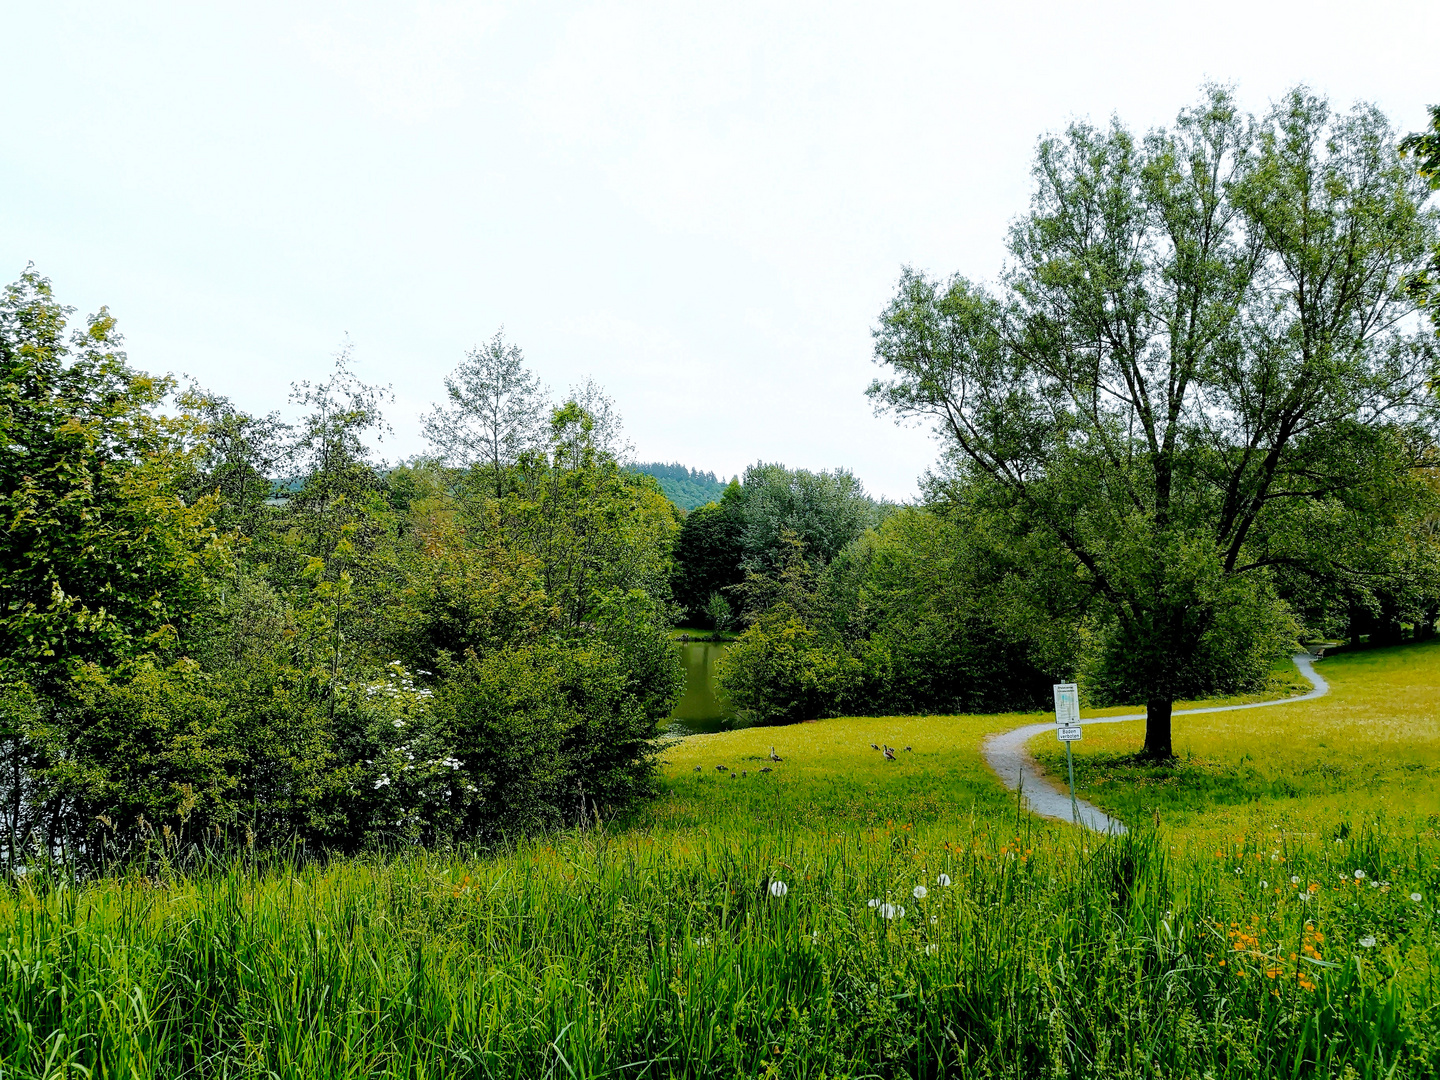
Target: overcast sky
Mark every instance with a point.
(703, 206)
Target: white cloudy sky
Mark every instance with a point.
(703, 206)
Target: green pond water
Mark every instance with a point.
(702, 708)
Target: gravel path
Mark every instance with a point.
(1006, 754)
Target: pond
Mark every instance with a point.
(702, 708)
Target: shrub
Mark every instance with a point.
(547, 734)
(784, 670)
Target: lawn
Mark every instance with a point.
(1368, 750)
(830, 779)
(839, 916)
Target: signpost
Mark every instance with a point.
(1067, 730)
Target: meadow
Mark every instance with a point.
(1271, 913)
(1368, 750)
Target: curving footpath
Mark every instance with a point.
(1007, 756)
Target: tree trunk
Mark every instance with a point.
(1157, 729)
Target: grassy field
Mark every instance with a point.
(1369, 750)
(838, 916)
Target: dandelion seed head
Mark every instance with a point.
(920, 892)
(1415, 896)
(1368, 941)
(943, 881)
(1359, 875)
(778, 889)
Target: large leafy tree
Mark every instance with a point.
(1203, 368)
(825, 511)
(101, 557)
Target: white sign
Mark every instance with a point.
(1067, 734)
(1067, 704)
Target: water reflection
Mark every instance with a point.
(702, 708)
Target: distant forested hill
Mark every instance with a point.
(686, 488)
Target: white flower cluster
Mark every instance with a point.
(398, 682)
(888, 910)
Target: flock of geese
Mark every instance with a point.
(746, 772)
(888, 751)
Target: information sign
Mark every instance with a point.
(1067, 704)
(1067, 730)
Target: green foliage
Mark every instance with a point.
(782, 670)
(546, 733)
(153, 744)
(746, 529)
(719, 611)
(910, 617)
(1200, 370)
(234, 459)
(205, 613)
(21, 712)
(687, 488)
(494, 410)
(1423, 284)
(101, 559)
(708, 553)
(926, 603)
(824, 510)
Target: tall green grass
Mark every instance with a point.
(658, 955)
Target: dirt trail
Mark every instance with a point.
(1006, 754)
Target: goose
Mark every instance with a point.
(774, 756)
(889, 754)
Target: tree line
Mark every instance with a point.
(221, 628)
(687, 488)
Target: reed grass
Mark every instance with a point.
(642, 955)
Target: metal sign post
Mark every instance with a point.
(1067, 730)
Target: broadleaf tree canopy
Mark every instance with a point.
(1203, 366)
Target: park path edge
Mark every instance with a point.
(1008, 757)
